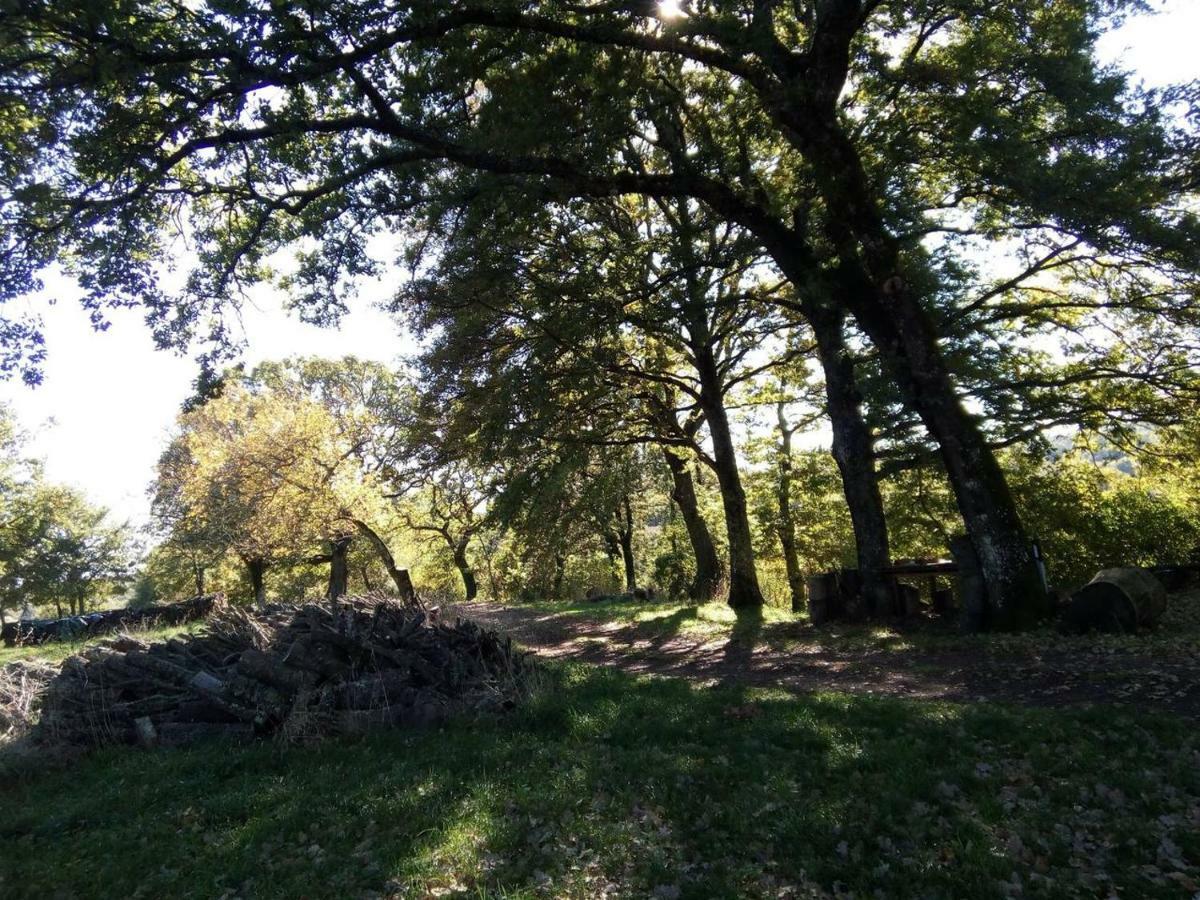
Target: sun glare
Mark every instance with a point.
(670, 9)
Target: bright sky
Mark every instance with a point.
(109, 399)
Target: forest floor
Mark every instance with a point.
(609, 784)
(1158, 670)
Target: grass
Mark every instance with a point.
(57, 651)
(611, 785)
(780, 629)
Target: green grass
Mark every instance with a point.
(57, 651)
(650, 787)
(1179, 631)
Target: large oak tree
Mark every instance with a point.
(843, 134)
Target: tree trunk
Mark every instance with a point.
(744, 592)
(464, 568)
(257, 568)
(625, 539)
(854, 452)
(707, 582)
(198, 573)
(787, 527)
(612, 549)
(560, 572)
(400, 577)
(871, 283)
(339, 569)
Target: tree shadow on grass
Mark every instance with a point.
(653, 786)
(745, 636)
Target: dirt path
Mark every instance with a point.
(1170, 681)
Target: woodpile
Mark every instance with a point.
(21, 684)
(77, 628)
(293, 672)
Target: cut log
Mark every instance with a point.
(908, 599)
(143, 727)
(824, 597)
(943, 600)
(1116, 601)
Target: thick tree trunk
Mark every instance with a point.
(871, 283)
(464, 569)
(854, 452)
(1016, 596)
(198, 573)
(257, 568)
(709, 572)
(625, 539)
(339, 569)
(400, 577)
(744, 592)
(787, 527)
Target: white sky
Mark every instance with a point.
(109, 399)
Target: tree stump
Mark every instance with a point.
(824, 597)
(1116, 601)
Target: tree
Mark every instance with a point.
(637, 318)
(451, 505)
(54, 544)
(845, 135)
(240, 478)
(371, 413)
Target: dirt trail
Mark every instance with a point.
(1040, 676)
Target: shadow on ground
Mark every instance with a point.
(610, 785)
(928, 661)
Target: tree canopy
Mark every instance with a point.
(934, 178)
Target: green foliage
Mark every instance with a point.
(144, 592)
(1091, 515)
(57, 550)
(824, 538)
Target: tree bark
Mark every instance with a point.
(625, 539)
(560, 573)
(339, 569)
(870, 282)
(854, 452)
(787, 527)
(612, 549)
(744, 592)
(464, 568)
(707, 583)
(400, 577)
(257, 568)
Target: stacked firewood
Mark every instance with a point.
(78, 628)
(293, 672)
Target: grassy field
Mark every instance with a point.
(608, 785)
(57, 651)
(779, 628)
